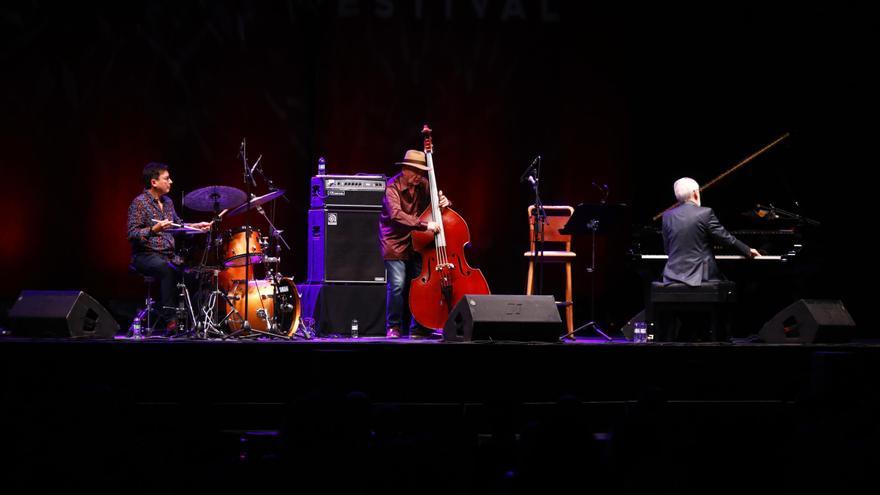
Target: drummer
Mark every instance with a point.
(150, 217)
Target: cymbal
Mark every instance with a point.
(255, 201)
(214, 198)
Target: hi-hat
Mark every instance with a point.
(214, 198)
(255, 201)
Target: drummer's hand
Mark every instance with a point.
(434, 226)
(203, 226)
(444, 202)
(161, 225)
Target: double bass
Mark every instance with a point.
(446, 275)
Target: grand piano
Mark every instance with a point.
(765, 284)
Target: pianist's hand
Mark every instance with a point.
(754, 253)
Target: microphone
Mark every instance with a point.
(255, 165)
(529, 174)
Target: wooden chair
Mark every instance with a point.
(557, 217)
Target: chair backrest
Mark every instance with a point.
(557, 217)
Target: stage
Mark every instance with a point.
(161, 370)
(230, 415)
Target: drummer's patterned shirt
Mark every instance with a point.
(141, 213)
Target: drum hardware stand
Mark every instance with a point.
(275, 275)
(249, 181)
(185, 313)
(210, 311)
(276, 236)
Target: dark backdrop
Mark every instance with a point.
(631, 96)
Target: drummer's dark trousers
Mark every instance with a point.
(167, 277)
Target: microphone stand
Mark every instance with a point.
(780, 213)
(532, 175)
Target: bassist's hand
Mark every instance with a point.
(434, 226)
(444, 201)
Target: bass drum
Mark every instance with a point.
(263, 306)
(235, 275)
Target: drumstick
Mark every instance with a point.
(177, 225)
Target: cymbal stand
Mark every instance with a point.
(274, 273)
(277, 241)
(249, 181)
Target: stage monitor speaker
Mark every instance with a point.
(503, 317)
(808, 321)
(344, 246)
(55, 313)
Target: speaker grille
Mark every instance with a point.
(344, 246)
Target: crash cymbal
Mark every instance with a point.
(214, 198)
(256, 201)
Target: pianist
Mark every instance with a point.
(689, 231)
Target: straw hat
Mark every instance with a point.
(414, 159)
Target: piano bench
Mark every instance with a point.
(674, 311)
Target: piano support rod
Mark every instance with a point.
(730, 171)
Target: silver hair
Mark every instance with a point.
(684, 188)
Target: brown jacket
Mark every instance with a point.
(400, 216)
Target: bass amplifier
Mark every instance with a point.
(348, 191)
(344, 246)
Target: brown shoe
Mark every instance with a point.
(392, 333)
(424, 334)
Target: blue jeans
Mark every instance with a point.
(399, 273)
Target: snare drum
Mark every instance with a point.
(262, 306)
(235, 247)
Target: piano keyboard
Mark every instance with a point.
(717, 257)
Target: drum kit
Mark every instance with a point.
(233, 302)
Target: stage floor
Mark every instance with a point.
(243, 414)
(167, 370)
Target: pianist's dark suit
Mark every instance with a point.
(689, 231)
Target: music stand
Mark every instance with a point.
(592, 218)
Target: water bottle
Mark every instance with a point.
(136, 326)
(640, 332)
(354, 328)
(322, 166)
